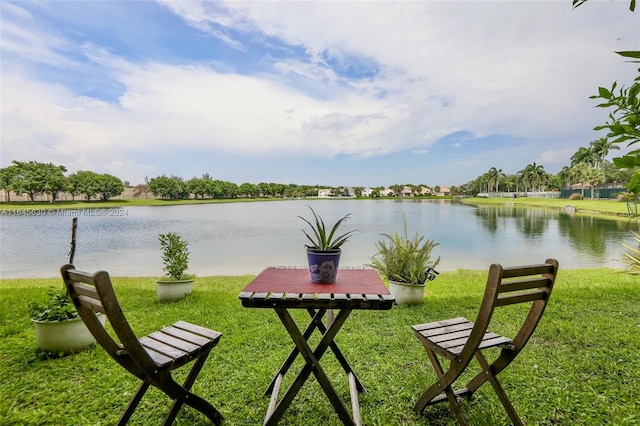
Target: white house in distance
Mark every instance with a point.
(366, 192)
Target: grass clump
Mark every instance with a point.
(580, 368)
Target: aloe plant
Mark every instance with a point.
(324, 240)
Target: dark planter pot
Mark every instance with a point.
(323, 265)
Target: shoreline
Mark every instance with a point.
(609, 209)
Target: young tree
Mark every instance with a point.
(169, 188)
(7, 176)
(35, 178)
(109, 186)
(85, 182)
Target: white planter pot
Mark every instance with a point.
(173, 290)
(406, 293)
(68, 336)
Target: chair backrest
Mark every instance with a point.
(92, 294)
(508, 286)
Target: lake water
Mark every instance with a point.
(244, 238)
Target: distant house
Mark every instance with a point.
(386, 192)
(366, 192)
(425, 191)
(324, 193)
(406, 192)
(444, 191)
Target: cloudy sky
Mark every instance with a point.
(334, 93)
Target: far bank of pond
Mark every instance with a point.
(610, 208)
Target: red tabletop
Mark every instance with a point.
(282, 280)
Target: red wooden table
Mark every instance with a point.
(290, 288)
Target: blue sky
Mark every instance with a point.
(329, 93)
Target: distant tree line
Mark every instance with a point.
(34, 179)
(588, 167)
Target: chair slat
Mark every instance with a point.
(525, 284)
(510, 299)
(203, 331)
(431, 332)
(172, 341)
(439, 324)
(491, 340)
(161, 347)
(91, 303)
(160, 359)
(80, 276)
(186, 335)
(519, 271)
(85, 290)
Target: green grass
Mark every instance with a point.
(581, 367)
(588, 206)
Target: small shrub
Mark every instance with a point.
(175, 255)
(575, 196)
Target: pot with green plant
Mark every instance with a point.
(406, 263)
(59, 328)
(324, 250)
(176, 284)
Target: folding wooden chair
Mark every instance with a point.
(459, 340)
(151, 358)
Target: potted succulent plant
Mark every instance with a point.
(323, 252)
(406, 263)
(59, 328)
(176, 283)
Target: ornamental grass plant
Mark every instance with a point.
(581, 366)
(403, 259)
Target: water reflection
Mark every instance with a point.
(591, 234)
(530, 222)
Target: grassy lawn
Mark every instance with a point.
(580, 368)
(605, 207)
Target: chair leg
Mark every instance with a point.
(505, 358)
(497, 387)
(182, 395)
(443, 384)
(131, 406)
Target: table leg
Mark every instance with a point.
(316, 319)
(339, 356)
(312, 359)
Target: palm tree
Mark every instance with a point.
(565, 175)
(585, 155)
(499, 175)
(601, 149)
(579, 174)
(491, 174)
(534, 174)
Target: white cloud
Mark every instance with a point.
(521, 69)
